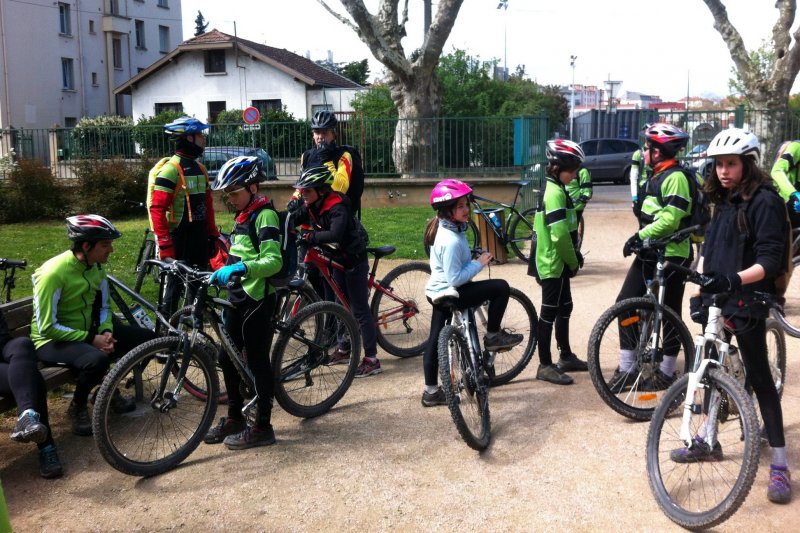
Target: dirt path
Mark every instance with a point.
(559, 460)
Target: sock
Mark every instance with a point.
(668, 365)
(431, 389)
(626, 360)
(779, 456)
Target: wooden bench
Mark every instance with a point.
(18, 315)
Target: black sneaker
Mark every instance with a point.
(49, 465)
(552, 374)
(250, 438)
(28, 428)
(570, 363)
(434, 399)
(658, 381)
(227, 426)
(501, 340)
(122, 404)
(81, 423)
(621, 382)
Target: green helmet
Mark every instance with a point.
(314, 177)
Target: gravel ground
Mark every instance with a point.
(560, 459)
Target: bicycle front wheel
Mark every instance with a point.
(704, 488)
(466, 389)
(520, 232)
(790, 318)
(401, 310)
(182, 318)
(630, 325)
(167, 425)
(308, 384)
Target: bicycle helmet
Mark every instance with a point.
(564, 153)
(323, 120)
(239, 172)
(91, 228)
(666, 136)
(314, 177)
(447, 192)
(735, 141)
(184, 126)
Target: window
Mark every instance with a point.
(65, 22)
(215, 61)
(267, 105)
(113, 7)
(67, 74)
(163, 39)
(214, 109)
(94, 78)
(91, 26)
(139, 26)
(119, 102)
(116, 48)
(70, 122)
(163, 3)
(169, 106)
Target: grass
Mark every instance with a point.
(36, 242)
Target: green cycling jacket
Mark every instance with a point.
(261, 263)
(555, 223)
(667, 202)
(580, 189)
(784, 171)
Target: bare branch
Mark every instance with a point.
(733, 39)
(437, 35)
(338, 16)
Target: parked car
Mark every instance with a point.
(214, 157)
(698, 160)
(609, 159)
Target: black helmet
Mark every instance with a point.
(239, 172)
(324, 120)
(91, 228)
(314, 177)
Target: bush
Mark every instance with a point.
(104, 186)
(149, 134)
(103, 137)
(31, 192)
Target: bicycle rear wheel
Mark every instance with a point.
(520, 232)
(472, 233)
(790, 318)
(466, 389)
(289, 300)
(307, 385)
(629, 324)
(403, 313)
(704, 493)
(776, 354)
(164, 428)
(142, 268)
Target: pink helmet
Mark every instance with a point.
(446, 192)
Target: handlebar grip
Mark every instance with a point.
(691, 275)
(13, 263)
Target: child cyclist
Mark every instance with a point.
(249, 321)
(556, 260)
(452, 267)
(745, 249)
(332, 221)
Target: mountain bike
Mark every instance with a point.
(9, 268)
(515, 233)
(718, 416)
(789, 314)
(169, 423)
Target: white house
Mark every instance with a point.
(60, 61)
(216, 71)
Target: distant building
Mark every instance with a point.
(216, 71)
(60, 61)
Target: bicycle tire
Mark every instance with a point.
(581, 228)
(142, 269)
(790, 317)
(467, 397)
(150, 441)
(776, 354)
(520, 232)
(636, 315)
(306, 386)
(520, 317)
(403, 327)
(691, 494)
(289, 300)
(473, 237)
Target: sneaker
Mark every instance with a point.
(500, 340)
(432, 400)
(122, 404)
(552, 374)
(339, 357)
(227, 426)
(570, 363)
(620, 381)
(250, 437)
(449, 292)
(699, 452)
(779, 489)
(81, 423)
(28, 428)
(368, 368)
(49, 465)
(658, 381)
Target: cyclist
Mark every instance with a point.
(745, 249)
(330, 217)
(20, 378)
(249, 322)
(180, 205)
(452, 266)
(665, 208)
(580, 191)
(784, 178)
(556, 260)
(72, 322)
(638, 176)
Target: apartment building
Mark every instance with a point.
(61, 60)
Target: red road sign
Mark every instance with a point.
(251, 115)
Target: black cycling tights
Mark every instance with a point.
(556, 309)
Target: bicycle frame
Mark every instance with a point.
(502, 232)
(115, 285)
(463, 320)
(9, 278)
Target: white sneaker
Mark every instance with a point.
(449, 292)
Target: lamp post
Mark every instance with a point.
(572, 96)
(504, 5)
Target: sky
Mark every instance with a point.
(667, 49)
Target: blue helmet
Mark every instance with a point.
(184, 126)
(239, 172)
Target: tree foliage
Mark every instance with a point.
(762, 60)
(375, 103)
(355, 71)
(200, 24)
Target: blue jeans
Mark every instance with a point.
(353, 282)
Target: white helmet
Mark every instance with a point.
(735, 141)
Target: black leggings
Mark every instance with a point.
(471, 294)
(20, 378)
(556, 309)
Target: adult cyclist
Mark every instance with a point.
(784, 177)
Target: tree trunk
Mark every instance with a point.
(416, 134)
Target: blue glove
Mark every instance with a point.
(796, 199)
(223, 275)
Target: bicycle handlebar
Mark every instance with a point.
(12, 263)
(660, 244)
(691, 275)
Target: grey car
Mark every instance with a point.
(216, 156)
(609, 159)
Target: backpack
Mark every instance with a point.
(356, 187)
(151, 185)
(288, 232)
(700, 214)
